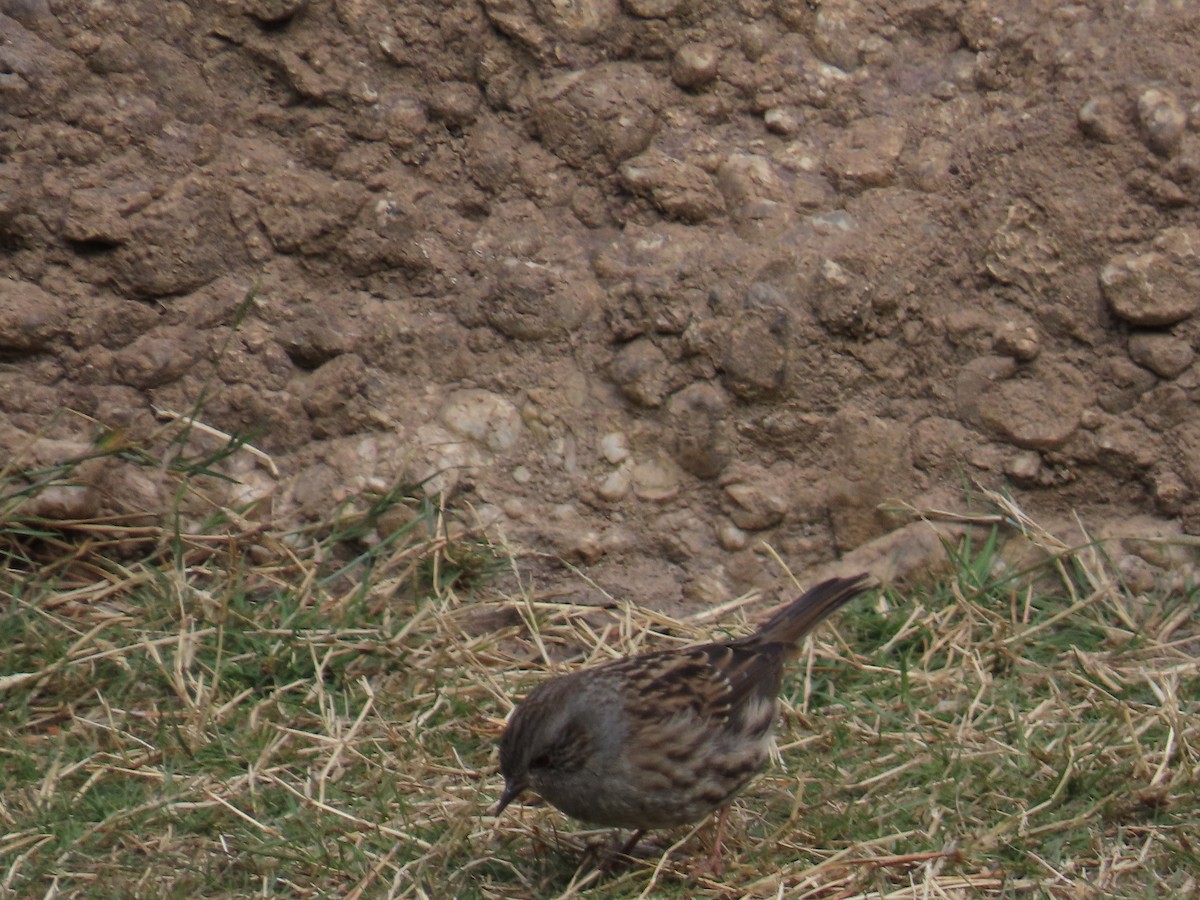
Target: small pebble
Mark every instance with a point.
(755, 507)
(1024, 466)
(648, 9)
(1162, 354)
(655, 480)
(615, 485)
(1171, 493)
(1162, 119)
(1019, 342)
(614, 446)
(731, 537)
(781, 120)
(1139, 576)
(695, 65)
(1097, 120)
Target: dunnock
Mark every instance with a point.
(660, 739)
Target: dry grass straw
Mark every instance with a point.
(258, 711)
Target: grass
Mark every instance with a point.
(214, 706)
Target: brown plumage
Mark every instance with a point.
(660, 739)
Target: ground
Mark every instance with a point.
(365, 362)
(643, 286)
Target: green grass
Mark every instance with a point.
(232, 711)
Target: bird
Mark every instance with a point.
(664, 738)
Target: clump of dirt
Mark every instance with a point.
(653, 280)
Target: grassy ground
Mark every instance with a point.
(222, 709)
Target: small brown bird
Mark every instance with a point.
(660, 739)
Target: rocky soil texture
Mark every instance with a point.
(643, 283)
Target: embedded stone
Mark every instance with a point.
(484, 417)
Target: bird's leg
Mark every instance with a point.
(631, 843)
(619, 858)
(714, 866)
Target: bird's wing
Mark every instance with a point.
(712, 682)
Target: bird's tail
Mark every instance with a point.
(807, 611)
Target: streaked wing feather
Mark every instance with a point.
(711, 681)
(662, 685)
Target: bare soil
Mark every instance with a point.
(641, 284)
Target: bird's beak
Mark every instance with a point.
(512, 790)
